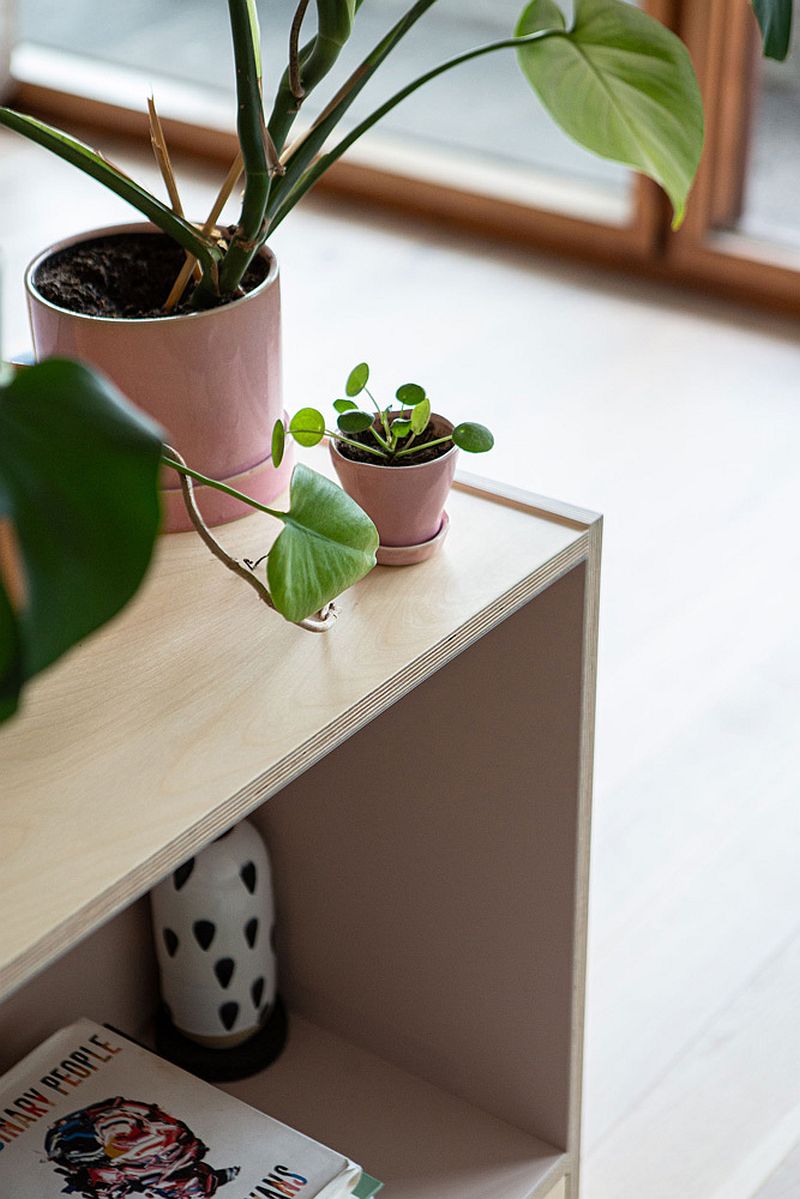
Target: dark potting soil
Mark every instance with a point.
(437, 428)
(122, 275)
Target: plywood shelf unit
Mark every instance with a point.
(428, 771)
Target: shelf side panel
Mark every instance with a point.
(426, 872)
(108, 977)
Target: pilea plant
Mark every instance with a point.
(79, 517)
(394, 436)
(615, 80)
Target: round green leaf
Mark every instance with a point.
(401, 427)
(410, 394)
(344, 405)
(420, 417)
(475, 439)
(307, 426)
(622, 85)
(354, 421)
(357, 379)
(278, 443)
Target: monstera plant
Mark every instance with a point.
(79, 467)
(615, 79)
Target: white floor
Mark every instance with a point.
(680, 420)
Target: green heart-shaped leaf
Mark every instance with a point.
(79, 485)
(328, 544)
(410, 394)
(474, 439)
(775, 19)
(401, 427)
(344, 405)
(357, 379)
(307, 427)
(621, 85)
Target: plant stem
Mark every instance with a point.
(177, 464)
(382, 413)
(173, 459)
(294, 188)
(378, 437)
(93, 164)
(231, 179)
(357, 445)
(185, 475)
(426, 445)
(309, 66)
(308, 146)
(251, 231)
(295, 78)
(335, 435)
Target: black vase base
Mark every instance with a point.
(224, 1065)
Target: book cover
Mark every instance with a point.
(91, 1114)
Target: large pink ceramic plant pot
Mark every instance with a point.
(406, 503)
(211, 379)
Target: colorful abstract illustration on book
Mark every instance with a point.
(122, 1147)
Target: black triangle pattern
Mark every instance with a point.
(204, 932)
(257, 992)
(248, 876)
(171, 941)
(227, 1014)
(181, 876)
(224, 970)
(251, 931)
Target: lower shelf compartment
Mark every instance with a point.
(422, 1142)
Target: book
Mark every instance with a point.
(91, 1114)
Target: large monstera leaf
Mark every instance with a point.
(80, 513)
(621, 85)
(775, 19)
(328, 544)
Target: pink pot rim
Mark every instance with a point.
(135, 227)
(412, 466)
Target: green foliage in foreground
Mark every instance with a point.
(80, 513)
(79, 491)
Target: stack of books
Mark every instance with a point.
(90, 1113)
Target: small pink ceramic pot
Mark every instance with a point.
(211, 379)
(406, 503)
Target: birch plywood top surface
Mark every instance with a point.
(198, 703)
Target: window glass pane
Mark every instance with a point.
(770, 211)
(484, 112)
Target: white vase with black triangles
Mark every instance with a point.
(213, 925)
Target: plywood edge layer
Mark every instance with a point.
(542, 506)
(235, 807)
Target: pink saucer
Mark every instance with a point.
(408, 555)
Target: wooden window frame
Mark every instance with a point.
(726, 264)
(723, 40)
